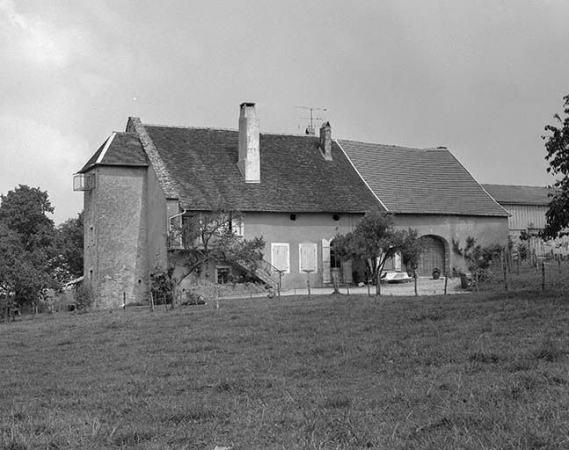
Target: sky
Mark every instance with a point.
(481, 77)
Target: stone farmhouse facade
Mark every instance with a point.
(295, 191)
(527, 206)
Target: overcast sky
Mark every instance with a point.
(482, 77)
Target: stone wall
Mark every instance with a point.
(116, 258)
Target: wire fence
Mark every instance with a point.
(534, 273)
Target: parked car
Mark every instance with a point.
(396, 277)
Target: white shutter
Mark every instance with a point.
(326, 277)
(307, 260)
(280, 257)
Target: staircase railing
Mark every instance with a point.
(267, 273)
(274, 273)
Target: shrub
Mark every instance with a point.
(193, 298)
(84, 297)
(162, 287)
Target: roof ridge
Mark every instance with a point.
(361, 177)
(236, 130)
(185, 127)
(390, 145)
(124, 132)
(106, 146)
(166, 181)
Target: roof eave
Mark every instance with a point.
(450, 213)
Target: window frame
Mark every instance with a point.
(237, 225)
(225, 269)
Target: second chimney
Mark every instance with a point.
(249, 156)
(326, 141)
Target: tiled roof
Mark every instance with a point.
(519, 195)
(120, 149)
(295, 176)
(417, 181)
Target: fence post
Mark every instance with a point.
(543, 275)
(504, 268)
(476, 279)
(308, 281)
(415, 283)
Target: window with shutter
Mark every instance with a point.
(307, 260)
(280, 257)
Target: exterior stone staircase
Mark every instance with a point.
(265, 272)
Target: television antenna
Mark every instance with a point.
(307, 115)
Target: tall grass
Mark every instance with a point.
(476, 371)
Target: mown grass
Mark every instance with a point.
(474, 371)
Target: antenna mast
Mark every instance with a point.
(307, 122)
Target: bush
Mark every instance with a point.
(193, 298)
(162, 287)
(84, 297)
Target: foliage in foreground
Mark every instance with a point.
(201, 239)
(27, 247)
(455, 372)
(557, 148)
(83, 296)
(70, 248)
(34, 254)
(375, 240)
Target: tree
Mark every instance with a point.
(70, 248)
(24, 210)
(204, 238)
(27, 240)
(478, 258)
(375, 240)
(557, 147)
(11, 263)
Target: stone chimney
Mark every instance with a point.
(326, 141)
(249, 156)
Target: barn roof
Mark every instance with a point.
(420, 181)
(519, 195)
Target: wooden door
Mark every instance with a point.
(433, 256)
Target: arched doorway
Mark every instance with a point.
(433, 256)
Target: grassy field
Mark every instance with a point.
(475, 371)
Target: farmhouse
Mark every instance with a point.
(297, 192)
(527, 206)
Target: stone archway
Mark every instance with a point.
(434, 255)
